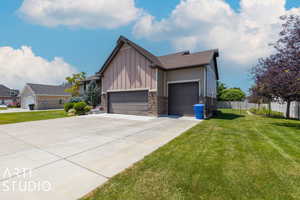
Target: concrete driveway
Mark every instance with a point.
(66, 158)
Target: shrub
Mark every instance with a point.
(79, 108)
(87, 109)
(68, 106)
(71, 112)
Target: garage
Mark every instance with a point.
(27, 100)
(182, 97)
(129, 102)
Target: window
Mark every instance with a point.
(61, 101)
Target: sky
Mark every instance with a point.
(43, 41)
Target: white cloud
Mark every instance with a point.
(242, 37)
(20, 66)
(80, 13)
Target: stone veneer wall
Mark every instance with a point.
(162, 105)
(104, 102)
(152, 103)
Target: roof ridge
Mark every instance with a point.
(43, 84)
(180, 52)
(142, 50)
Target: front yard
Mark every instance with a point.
(232, 156)
(8, 118)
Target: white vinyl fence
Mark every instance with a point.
(244, 105)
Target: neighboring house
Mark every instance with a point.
(134, 81)
(85, 84)
(8, 96)
(44, 96)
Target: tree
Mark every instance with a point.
(233, 94)
(75, 81)
(279, 74)
(259, 95)
(220, 89)
(92, 95)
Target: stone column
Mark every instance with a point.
(104, 102)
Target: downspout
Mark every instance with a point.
(205, 90)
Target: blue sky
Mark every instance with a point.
(86, 48)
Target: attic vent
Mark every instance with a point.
(186, 53)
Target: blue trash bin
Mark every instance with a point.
(199, 111)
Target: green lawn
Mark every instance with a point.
(8, 118)
(2, 108)
(232, 156)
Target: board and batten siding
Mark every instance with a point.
(129, 70)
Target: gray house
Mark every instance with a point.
(134, 81)
(8, 96)
(44, 96)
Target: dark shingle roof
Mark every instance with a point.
(186, 59)
(4, 91)
(167, 62)
(93, 77)
(51, 90)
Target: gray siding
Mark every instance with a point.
(196, 73)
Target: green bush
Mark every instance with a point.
(79, 108)
(265, 112)
(71, 112)
(68, 106)
(87, 109)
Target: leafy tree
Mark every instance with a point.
(220, 89)
(279, 74)
(259, 95)
(75, 81)
(233, 94)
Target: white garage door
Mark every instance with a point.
(26, 101)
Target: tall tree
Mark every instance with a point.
(279, 74)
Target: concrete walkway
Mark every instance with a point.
(64, 159)
(13, 110)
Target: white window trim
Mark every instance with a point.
(130, 90)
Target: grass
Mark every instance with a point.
(8, 118)
(232, 156)
(3, 108)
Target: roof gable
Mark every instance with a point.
(121, 41)
(52, 90)
(4, 91)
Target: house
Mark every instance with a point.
(44, 96)
(8, 96)
(134, 81)
(86, 83)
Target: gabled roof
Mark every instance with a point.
(186, 59)
(49, 90)
(167, 62)
(4, 91)
(122, 40)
